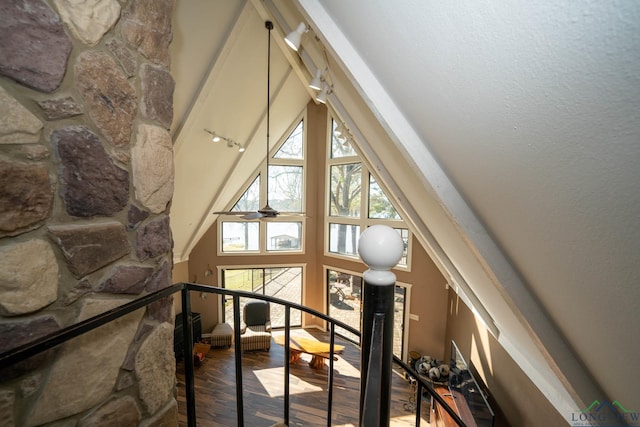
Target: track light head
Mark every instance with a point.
(322, 96)
(230, 142)
(316, 82)
(294, 38)
(342, 132)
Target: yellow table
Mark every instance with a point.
(318, 350)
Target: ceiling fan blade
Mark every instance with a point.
(252, 215)
(233, 213)
(293, 214)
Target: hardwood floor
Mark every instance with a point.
(263, 385)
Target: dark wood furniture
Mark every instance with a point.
(178, 336)
(456, 401)
(463, 394)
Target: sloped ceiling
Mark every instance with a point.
(521, 124)
(221, 86)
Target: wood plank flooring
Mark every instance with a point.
(263, 386)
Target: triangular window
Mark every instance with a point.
(250, 199)
(379, 204)
(341, 143)
(292, 147)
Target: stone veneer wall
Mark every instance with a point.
(86, 180)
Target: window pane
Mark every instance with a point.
(285, 188)
(340, 146)
(284, 236)
(404, 233)
(343, 239)
(292, 147)
(398, 320)
(284, 283)
(250, 200)
(345, 300)
(345, 190)
(240, 236)
(379, 204)
(237, 280)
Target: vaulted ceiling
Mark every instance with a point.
(508, 134)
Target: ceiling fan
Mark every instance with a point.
(266, 211)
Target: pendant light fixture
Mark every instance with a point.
(267, 211)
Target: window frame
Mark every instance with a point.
(303, 290)
(406, 319)
(363, 220)
(263, 173)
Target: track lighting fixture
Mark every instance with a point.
(320, 82)
(230, 142)
(214, 136)
(294, 38)
(316, 82)
(322, 96)
(342, 132)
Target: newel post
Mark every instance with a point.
(380, 247)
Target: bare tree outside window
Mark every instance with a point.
(250, 199)
(293, 147)
(346, 189)
(285, 188)
(379, 204)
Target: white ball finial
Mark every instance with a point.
(380, 247)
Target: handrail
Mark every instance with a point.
(65, 334)
(246, 294)
(429, 388)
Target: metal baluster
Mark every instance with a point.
(238, 355)
(287, 355)
(189, 373)
(332, 342)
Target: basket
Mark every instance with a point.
(201, 347)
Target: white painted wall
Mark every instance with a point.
(524, 118)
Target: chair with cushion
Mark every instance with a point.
(222, 335)
(255, 332)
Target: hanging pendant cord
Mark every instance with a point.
(269, 26)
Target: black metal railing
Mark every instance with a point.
(59, 337)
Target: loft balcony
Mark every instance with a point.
(263, 389)
(255, 388)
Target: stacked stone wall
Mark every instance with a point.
(86, 180)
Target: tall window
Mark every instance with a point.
(344, 302)
(356, 201)
(286, 173)
(285, 184)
